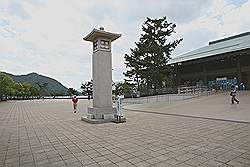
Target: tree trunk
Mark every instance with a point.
(138, 83)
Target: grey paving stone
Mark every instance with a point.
(55, 159)
(135, 160)
(212, 163)
(237, 164)
(106, 163)
(28, 164)
(153, 161)
(99, 159)
(143, 164)
(93, 165)
(58, 164)
(172, 161)
(87, 161)
(242, 160)
(226, 165)
(183, 158)
(124, 163)
(74, 163)
(14, 160)
(196, 161)
(127, 156)
(67, 156)
(11, 164)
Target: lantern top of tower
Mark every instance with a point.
(95, 33)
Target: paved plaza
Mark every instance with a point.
(216, 106)
(47, 133)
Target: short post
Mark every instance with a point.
(119, 113)
(119, 108)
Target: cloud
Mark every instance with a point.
(15, 8)
(223, 18)
(45, 36)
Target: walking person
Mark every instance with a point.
(233, 95)
(242, 86)
(74, 101)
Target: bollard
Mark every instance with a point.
(118, 108)
(119, 114)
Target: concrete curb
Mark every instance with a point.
(188, 116)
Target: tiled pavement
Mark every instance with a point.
(47, 133)
(217, 106)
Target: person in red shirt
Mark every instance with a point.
(74, 100)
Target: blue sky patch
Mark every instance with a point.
(238, 2)
(4, 23)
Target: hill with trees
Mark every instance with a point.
(47, 86)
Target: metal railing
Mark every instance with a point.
(183, 94)
(192, 90)
(158, 98)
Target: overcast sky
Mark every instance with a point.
(45, 36)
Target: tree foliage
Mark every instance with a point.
(23, 90)
(72, 91)
(147, 62)
(43, 90)
(122, 87)
(87, 88)
(9, 88)
(5, 85)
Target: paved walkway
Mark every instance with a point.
(214, 107)
(47, 133)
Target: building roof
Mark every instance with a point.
(95, 33)
(221, 46)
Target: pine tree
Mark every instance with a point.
(148, 60)
(87, 88)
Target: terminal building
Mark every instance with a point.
(218, 65)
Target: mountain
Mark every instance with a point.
(52, 85)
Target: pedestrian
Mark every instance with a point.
(233, 95)
(242, 86)
(74, 101)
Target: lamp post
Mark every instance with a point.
(102, 110)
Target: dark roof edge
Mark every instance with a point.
(229, 38)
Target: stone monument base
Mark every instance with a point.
(97, 121)
(119, 120)
(100, 115)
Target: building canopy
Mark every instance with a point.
(221, 46)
